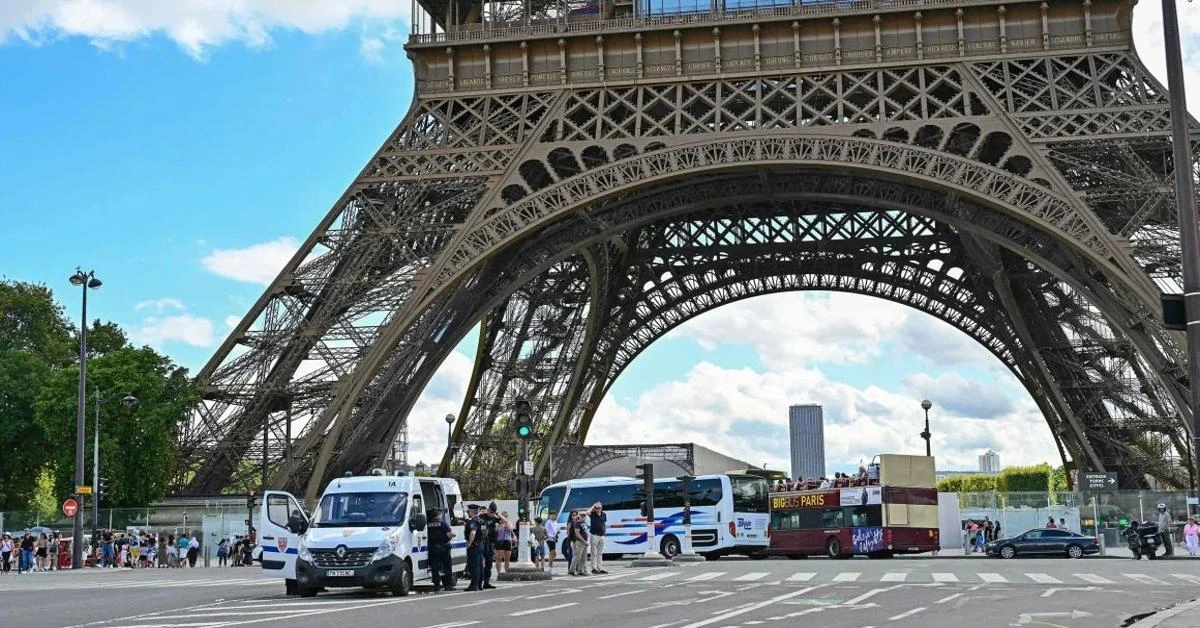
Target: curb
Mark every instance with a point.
(1162, 616)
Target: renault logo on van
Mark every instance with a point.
(341, 551)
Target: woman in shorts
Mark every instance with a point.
(551, 540)
(504, 543)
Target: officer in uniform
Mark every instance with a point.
(476, 531)
(491, 519)
(440, 534)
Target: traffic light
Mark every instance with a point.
(1174, 312)
(102, 489)
(250, 501)
(646, 475)
(523, 418)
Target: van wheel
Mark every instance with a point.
(404, 583)
(306, 591)
(670, 546)
(833, 548)
(289, 587)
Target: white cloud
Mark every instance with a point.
(1148, 38)
(743, 413)
(185, 328)
(444, 395)
(232, 321)
(258, 263)
(160, 305)
(195, 25)
(796, 328)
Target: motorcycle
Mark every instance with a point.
(1143, 540)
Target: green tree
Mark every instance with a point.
(32, 322)
(45, 500)
(137, 444)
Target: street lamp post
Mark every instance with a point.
(926, 405)
(450, 418)
(129, 401)
(84, 281)
(1185, 203)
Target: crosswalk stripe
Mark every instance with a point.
(754, 575)
(1144, 579)
(706, 576)
(1093, 578)
(894, 576)
(992, 577)
(945, 577)
(847, 576)
(1187, 577)
(657, 576)
(803, 576)
(1042, 578)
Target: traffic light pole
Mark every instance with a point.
(687, 555)
(524, 559)
(652, 557)
(523, 569)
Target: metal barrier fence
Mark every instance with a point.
(1100, 513)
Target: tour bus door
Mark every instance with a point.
(281, 523)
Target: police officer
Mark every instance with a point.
(440, 534)
(490, 519)
(475, 531)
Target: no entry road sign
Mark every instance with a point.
(70, 507)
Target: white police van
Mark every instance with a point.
(365, 532)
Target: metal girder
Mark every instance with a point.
(580, 183)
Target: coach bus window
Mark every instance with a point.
(750, 494)
(832, 518)
(552, 499)
(864, 516)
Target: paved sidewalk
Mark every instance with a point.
(1183, 615)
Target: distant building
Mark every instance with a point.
(989, 462)
(806, 426)
(669, 460)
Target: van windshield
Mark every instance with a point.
(341, 510)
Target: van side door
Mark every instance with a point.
(281, 523)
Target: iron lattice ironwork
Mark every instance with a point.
(577, 182)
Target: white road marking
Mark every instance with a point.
(894, 576)
(992, 577)
(754, 575)
(1144, 579)
(752, 607)
(1093, 578)
(605, 597)
(947, 598)
(1042, 578)
(706, 576)
(456, 624)
(1187, 578)
(541, 610)
(847, 576)
(906, 614)
(855, 600)
(800, 577)
(657, 576)
(945, 577)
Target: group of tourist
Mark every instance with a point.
(865, 476)
(977, 534)
(140, 550)
(29, 552)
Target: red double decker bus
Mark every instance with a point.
(892, 510)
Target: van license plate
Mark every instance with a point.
(339, 573)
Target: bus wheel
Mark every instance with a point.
(833, 548)
(670, 546)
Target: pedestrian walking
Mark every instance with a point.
(223, 553)
(597, 526)
(504, 543)
(6, 552)
(1164, 529)
(193, 550)
(551, 540)
(1191, 536)
(25, 565)
(537, 542)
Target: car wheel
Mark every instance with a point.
(289, 587)
(404, 584)
(670, 546)
(833, 548)
(1008, 551)
(1074, 551)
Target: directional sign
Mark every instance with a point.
(1098, 481)
(83, 490)
(528, 467)
(70, 507)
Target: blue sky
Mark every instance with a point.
(183, 149)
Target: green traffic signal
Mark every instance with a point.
(524, 431)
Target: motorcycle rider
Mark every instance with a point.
(1164, 529)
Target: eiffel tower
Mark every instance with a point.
(578, 177)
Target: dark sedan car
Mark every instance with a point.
(1044, 541)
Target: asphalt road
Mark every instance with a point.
(927, 592)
